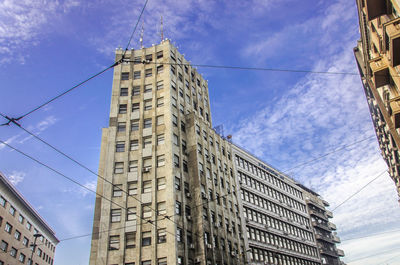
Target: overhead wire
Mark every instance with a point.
(79, 184)
(358, 191)
(15, 120)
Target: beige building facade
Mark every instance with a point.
(169, 189)
(19, 223)
(378, 58)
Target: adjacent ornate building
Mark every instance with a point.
(20, 224)
(378, 58)
(174, 191)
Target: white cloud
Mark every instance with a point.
(319, 114)
(16, 177)
(22, 23)
(91, 185)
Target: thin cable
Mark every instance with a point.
(79, 184)
(358, 191)
(67, 91)
(113, 185)
(246, 68)
(134, 30)
(251, 68)
(152, 222)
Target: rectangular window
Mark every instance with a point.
(162, 236)
(147, 104)
(133, 166)
(160, 160)
(123, 92)
(160, 102)
(4, 246)
(121, 127)
(183, 126)
(174, 102)
(115, 215)
(175, 139)
(2, 201)
(178, 208)
(160, 120)
(146, 239)
(147, 142)
(176, 160)
(117, 190)
(132, 188)
(161, 208)
(130, 240)
(120, 146)
(21, 258)
(131, 214)
(135, 107)
(159, 55)
(12, 210)
(146, 211)
(25, 241)
(149, 57)
(119, 167)
(134, 145)
(125, 76)
(136, 91)
(134, 125)
(146, 186)
(122, 109)
(161, 183)
(13, 252)
(147, 123)
(160, 139)
(17, 235)
(179, 234)
(148, 72)
(160, 69)
(177, 183)
(136, 75)
(148, 88)
(28, 226)
(113, 243)
(174, 120)
(160, 85)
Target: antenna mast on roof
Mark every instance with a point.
(162, 29)
(141, 37)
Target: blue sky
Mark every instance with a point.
(285, 118)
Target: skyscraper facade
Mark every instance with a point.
(169, 190)
(21, 227)
(378, 58)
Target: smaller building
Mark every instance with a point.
(20, 224)
(323, 229)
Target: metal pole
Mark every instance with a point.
(34, 246)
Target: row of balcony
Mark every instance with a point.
(331, 252)
(326, 226)
(328, 238)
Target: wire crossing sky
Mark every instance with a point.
(282, 80)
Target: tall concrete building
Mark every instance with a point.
(170, 191)
(20, 227)
(378, 58)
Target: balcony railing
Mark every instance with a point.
(375, 8)
(332, 226)
(329, 214)
(336, 239)
(381, 72)
(319, 214)
(340, 252)
(321, 225)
